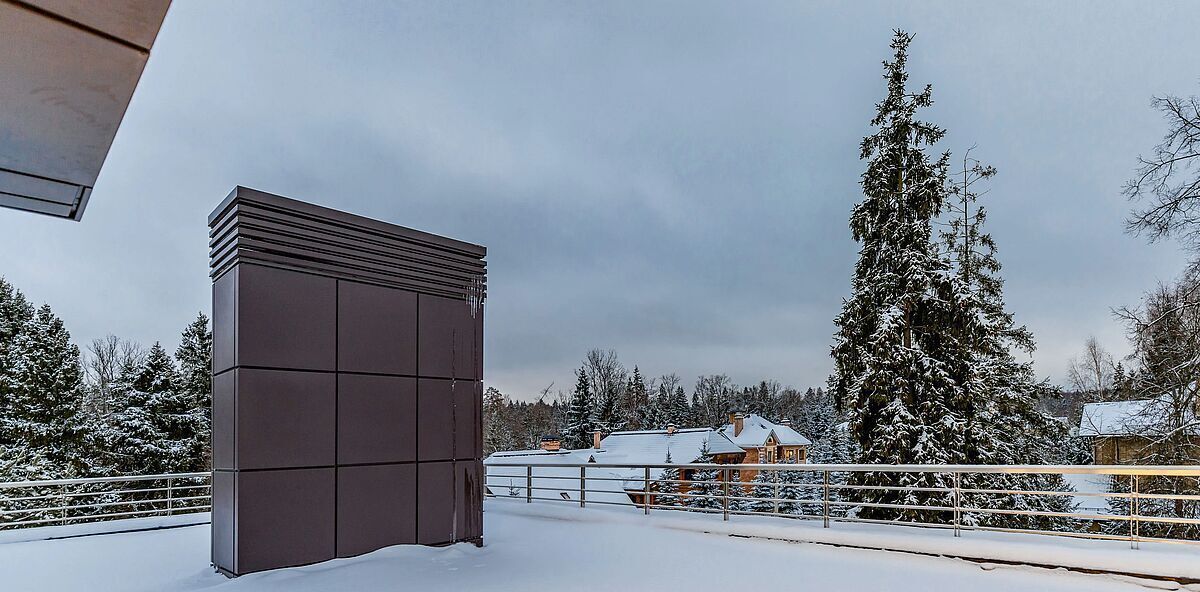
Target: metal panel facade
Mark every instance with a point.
(347, 384)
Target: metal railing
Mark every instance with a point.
(952, 497)
(75, 501)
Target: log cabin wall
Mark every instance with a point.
(347, 373)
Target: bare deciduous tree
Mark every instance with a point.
(1165, 333)
(1167, 184)
(103, 362)
(608, 377)
(1092, 372)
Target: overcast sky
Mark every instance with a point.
(669, 180)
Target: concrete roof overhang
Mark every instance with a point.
(67, 73)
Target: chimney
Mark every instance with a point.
(785, 422)
(596, 439)
(551, 443)
(671, 429)
(739, 422)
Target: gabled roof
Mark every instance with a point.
(651, 446)
(632, 448)
(648, 447)
(756, 429)
(1124, 418)
(1113, 418)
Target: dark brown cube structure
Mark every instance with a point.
(347, 384)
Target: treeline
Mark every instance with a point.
(607, 397)
(117, 409)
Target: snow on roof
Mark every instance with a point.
(1127, 418)
(544, 457)
(650, 446)
(1114, 418)
(647, 447)
(756, 429)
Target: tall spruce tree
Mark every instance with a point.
(1004, 424)
(581, 414)
(898, 353)
(194, 356)
(637, 401)
(47, 394)
(16, 318)
(153, 429)
(608, 413)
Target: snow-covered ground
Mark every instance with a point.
(533, 547)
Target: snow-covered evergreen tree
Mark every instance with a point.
(705, 487)
(667, 485)
(681, 410)
(669, 406)
(154, 428)
(45, 394)
(194, 355)
(608, 414)
(581, 414)
(763, 489)
(1004, 424)
(497, 433)
(16, 317)
(898, 353)
(637, 401)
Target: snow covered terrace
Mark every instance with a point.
(543, 546)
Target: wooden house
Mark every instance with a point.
(764, 442)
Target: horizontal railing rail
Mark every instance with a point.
(49, 502)
(1164, 470)
(1143, 503)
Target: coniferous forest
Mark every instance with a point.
(114, 408)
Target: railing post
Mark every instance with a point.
(725, 498)
(825, 504)
(646, 492)
(170, 496)
(775, 495)
(1134, 525)
(62, 513)
(529, 484)
(957, 505)
(582, 486)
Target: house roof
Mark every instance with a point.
(544, 457)
(1112, 418)
(634, 448)
(756, 429)
(651, 446)
(1124, 418)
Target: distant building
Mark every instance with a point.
(765, 442)
(746, 439)
(633, 448)
(1121, 430)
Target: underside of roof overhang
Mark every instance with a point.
(68, 71)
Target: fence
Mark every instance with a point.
(1142, 503)
(76, 501)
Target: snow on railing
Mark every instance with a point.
(77, 501)
(1138, 503)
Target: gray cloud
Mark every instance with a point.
(670, 180)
